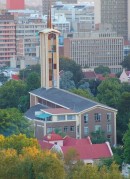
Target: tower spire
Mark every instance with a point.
(49, 20)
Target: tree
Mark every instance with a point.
(102, 70)
(70, 65)
(126, 141)
(109, 92)
(83, 93)
(18, 142)
(123, 115)
(66, 81)
(23, 74)
(98, 137)
(126, 62)
(33, 81)
(13, 122)
(10, 93)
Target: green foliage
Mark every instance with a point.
(10, 93)
(17, 142)
(33, 81)
(70, 65)
(102, 70)
(83, 93)
(3, 78)
(66, 81)
(109, 92)
(98, 137)
(123, 115)
(13, 122)
(126, 63)
(126, 141)
(23, 74)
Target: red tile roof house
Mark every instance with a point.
(87, 152)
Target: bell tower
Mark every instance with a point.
(49, 55)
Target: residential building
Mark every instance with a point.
(7, 38)
(15, 4)
(87, 152)
(46, 4)
(115, 12)
(94, 49)
(125, 76)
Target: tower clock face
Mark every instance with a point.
(51, 36)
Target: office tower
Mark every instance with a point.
(45, 4)
(115, 12)
(15, 4)
(95, 49)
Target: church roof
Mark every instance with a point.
(66, 99)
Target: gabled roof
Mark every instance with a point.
(52, 137)
(69, 141)
(66, 99)
(90, 151)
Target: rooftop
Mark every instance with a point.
(66, 99)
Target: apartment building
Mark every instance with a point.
(46, 4)
(115, 12)
(94, 49)
(7, 38)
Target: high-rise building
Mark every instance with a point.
(15, 4)
(46, 3)
(115, 12)
(95, 49)
(7, 38)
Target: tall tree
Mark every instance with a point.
(109, 92)
(33, 81)
(70, 65)
(10, 93)
(66, 81)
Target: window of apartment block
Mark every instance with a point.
(86, 131)
(61, 117)
(97, 117)
(109, 128)
(72, 128)
(86, 118)
(66, 129)
(70, 117)
(97, 127)
(108, 117)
